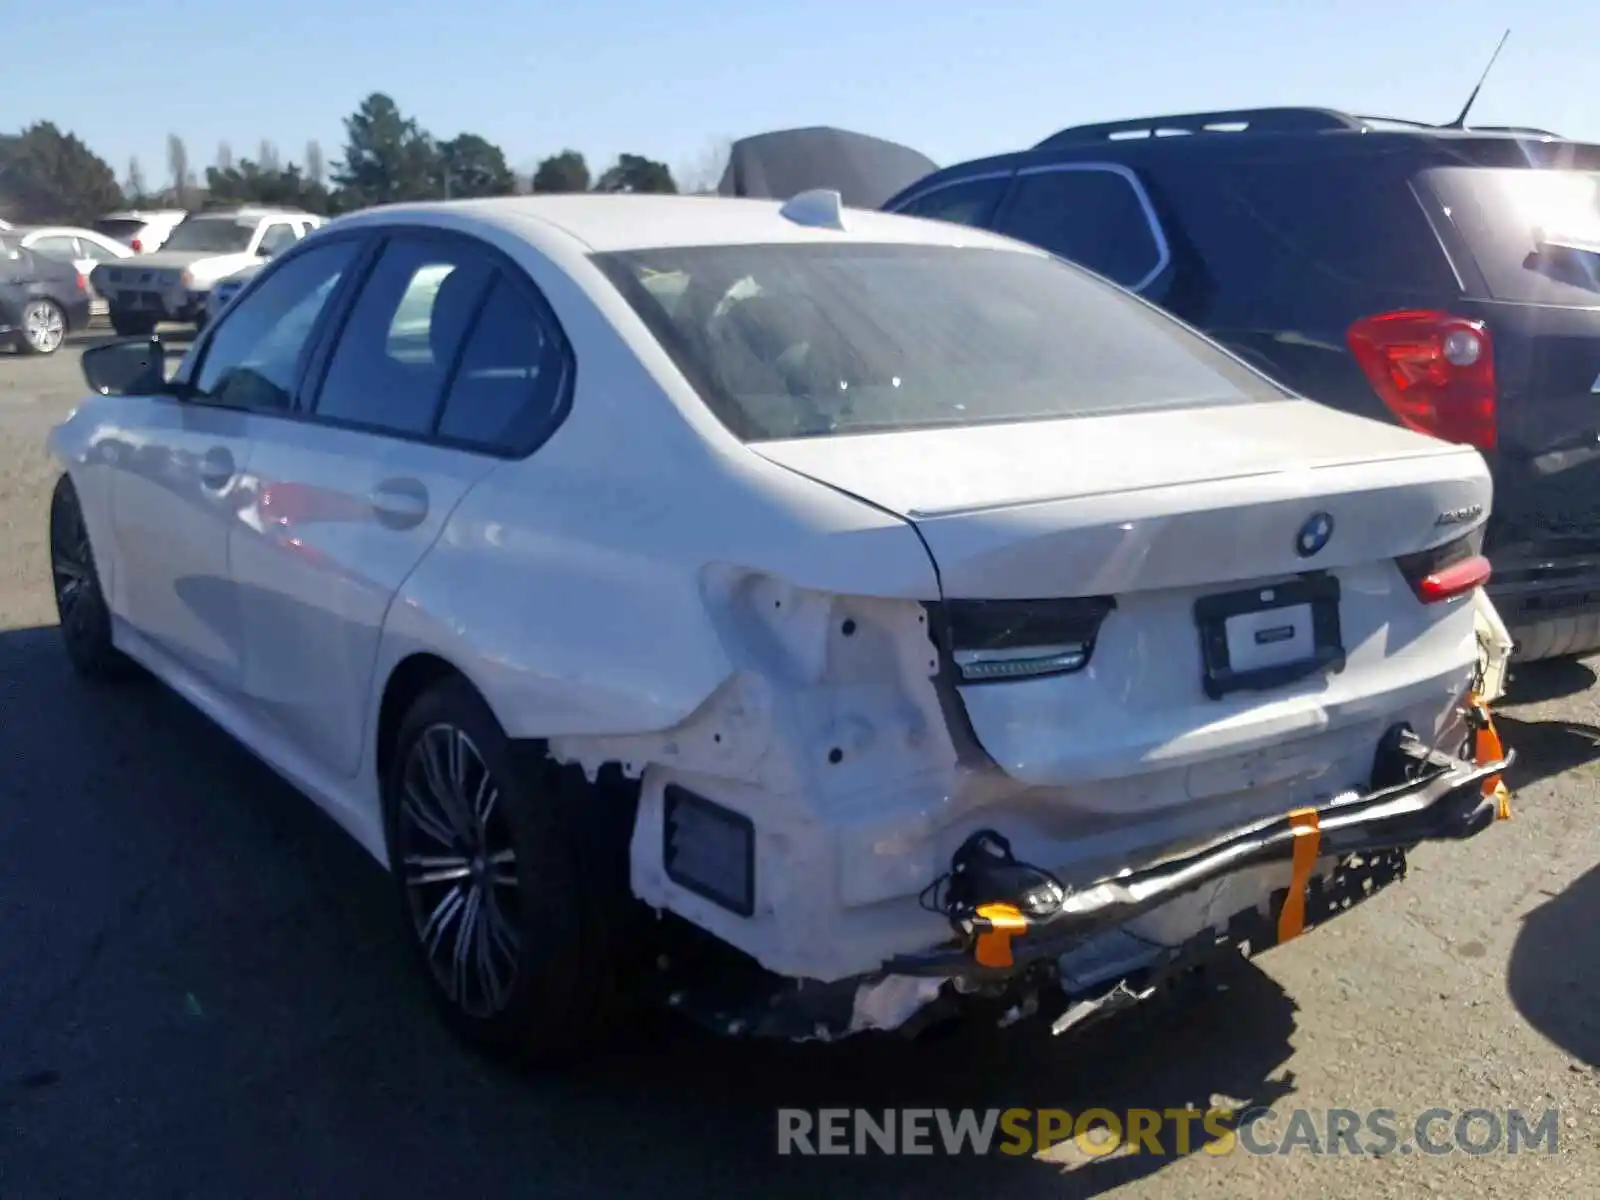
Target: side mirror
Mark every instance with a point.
(133, 367)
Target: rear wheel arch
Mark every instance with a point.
(409, 679)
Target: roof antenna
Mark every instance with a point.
(1461, 121)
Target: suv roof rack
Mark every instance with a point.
(1268, 120)
(1254, 120)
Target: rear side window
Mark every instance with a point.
(1347, 219)
(1534, 234)
(1090, 215)
(511, 379)
(395, 351)
(812, 340)
(970, 202)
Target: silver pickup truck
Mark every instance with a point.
(174, 283)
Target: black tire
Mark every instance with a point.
(44, 327)
(1560, 637)
(568, 976)
(130, 324)
(80, 604)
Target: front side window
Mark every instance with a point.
(255, 354)
(397, 348)
(970, 202)
(786, 341)
(1089, 216)
(211, 235)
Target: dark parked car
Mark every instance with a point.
(42, 299)
(1446, 279)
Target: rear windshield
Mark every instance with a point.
(792, 341)
(122, 229)
(1534, 233)
(213, 235)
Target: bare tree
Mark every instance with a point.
(224, 156)
(316, 169)
(267, 157)
(701, 175)
(134, 188)
(178, 169)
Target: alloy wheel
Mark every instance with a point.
(71, 565)
(459, 868)
(44, 326)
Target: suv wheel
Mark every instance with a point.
(512, 879)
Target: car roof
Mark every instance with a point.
(602, 222)
(1296, 133)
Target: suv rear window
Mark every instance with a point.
(1534, 233)
(790, 341)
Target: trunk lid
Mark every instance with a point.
(1106, 505)
(1226, 576)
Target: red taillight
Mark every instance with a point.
(1435, 371)
(137, 246)
(83, 282)
(1445, 572)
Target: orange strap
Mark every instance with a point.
(994, 944)
(1486, 747)
(1307, 841)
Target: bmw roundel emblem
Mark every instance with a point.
(1314, 534)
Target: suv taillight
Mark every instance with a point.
(1435, 371)
(1446, 571)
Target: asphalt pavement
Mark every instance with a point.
(203, 992)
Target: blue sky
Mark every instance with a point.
(669, 79)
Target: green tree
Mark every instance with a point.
(563, 172)
(635, 173)
(388, 157)
(472, 166)
(252, 182)
(47, 175)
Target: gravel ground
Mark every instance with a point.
(202, 994)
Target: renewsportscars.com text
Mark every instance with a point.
(1171, 1131)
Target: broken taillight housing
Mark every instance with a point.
(1444, 572)
(1434, 371)
(996, 640)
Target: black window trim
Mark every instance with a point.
(1005, 176)
(309, 385)
(1129, 176)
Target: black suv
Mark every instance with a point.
(1447, 279)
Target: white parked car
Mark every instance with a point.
(915, 614)
(175, 282)
(142, 230)
(83, 248)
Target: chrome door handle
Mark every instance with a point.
(400, 503)
(216, 468)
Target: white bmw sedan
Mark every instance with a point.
(701, 598)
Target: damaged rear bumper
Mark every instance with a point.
(1416, 795)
